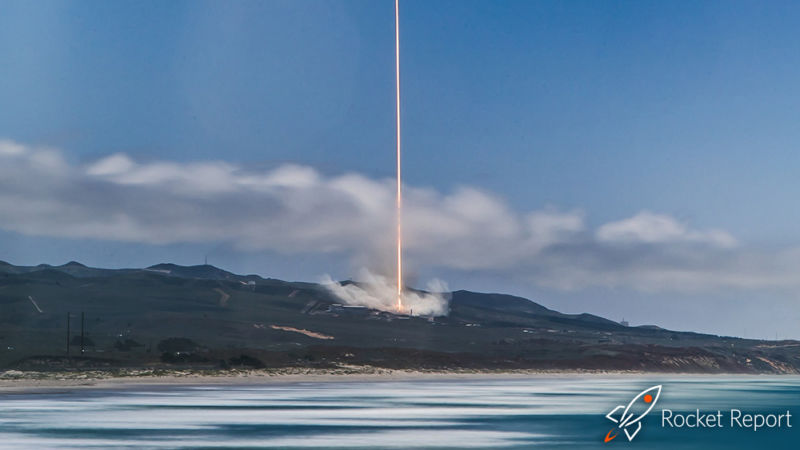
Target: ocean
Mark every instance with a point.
(561, 412)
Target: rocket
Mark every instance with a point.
(630, 419)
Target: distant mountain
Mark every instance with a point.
(203, 272)
(79, 270)
(73, 268)
(500, 302)
(520, 307)
(203, 316)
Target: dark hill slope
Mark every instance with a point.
(130, 312)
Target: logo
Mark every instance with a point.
(630, 421)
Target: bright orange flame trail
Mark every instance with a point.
(399, 186)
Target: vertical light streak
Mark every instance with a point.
(399, 185)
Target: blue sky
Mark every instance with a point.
(608, 109)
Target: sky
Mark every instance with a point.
(633, 159)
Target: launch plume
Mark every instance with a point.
(399, 179)
(378, 292)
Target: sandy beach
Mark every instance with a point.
(14, 381)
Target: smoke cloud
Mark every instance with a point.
(378, 292)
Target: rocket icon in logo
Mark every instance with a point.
(630, 418)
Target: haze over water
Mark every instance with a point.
(535, 412)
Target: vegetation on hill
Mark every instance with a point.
(205, 317)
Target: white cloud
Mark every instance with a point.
(295, 209)
(650, 228)
(112, 165)
(10, 148)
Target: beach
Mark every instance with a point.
(27, 381)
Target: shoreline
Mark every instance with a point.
(17, 382)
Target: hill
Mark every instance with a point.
(203, 316)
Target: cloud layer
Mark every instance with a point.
(295, 209)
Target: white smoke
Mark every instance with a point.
(377, 292)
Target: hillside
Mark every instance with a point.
(202, 316)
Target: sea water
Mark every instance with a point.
(567, 412)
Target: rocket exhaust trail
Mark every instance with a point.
(399, 185)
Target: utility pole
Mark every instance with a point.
(82, 350)
(67, 334)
